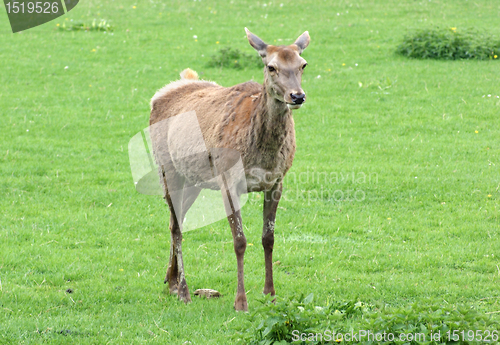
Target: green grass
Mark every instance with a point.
(420, 137)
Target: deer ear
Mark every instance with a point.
(303, 41)
(257, 43)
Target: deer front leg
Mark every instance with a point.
(232, 206)
(240, 244)
(271, 200)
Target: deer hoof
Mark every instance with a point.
(186, 299)
(183, 293)
(269, 291)
(240, 304)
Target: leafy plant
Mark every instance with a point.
(433, 324)
(449, 44)
(284, 321)
(101, 25)
(280, 322)
(234, 58)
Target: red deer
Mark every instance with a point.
(252, 119)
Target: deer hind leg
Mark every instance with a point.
(271, 200)
(176, 277)
(172, 271)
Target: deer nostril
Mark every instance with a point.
(298, 98)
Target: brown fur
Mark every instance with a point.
(254, 120)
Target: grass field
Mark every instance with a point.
(393, 198)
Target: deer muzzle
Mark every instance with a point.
(297, 99)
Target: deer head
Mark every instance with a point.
(284, 67)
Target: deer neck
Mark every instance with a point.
(272, 122)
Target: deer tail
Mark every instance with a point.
(188, 73)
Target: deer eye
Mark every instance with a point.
(271, 69)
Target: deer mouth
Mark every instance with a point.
(293, 105)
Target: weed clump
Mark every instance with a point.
(101, 25)
(228, 57)
(282, 322)
(449, 44)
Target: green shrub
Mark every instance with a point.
(449, 44)
(234, 58)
